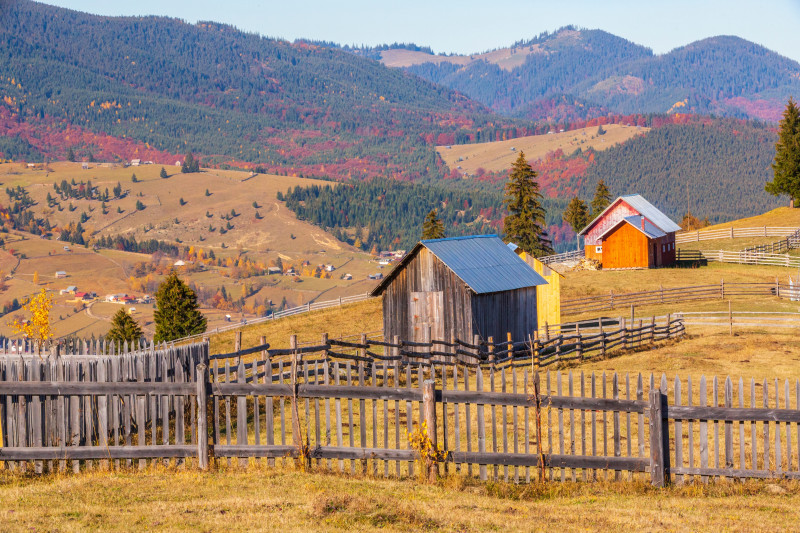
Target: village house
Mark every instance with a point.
(60, 274)
(631, 233)
(274, 270)
(72, 289)
(461, 286)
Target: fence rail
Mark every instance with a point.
(733, 233)
(784, 245)
(743, 257)
(674, 295)
(564, 257)
(741, 318)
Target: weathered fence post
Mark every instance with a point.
(611, 296)
(659, 439)
(202, 416)
(730, 315)
(237, 345)
(722, 289)
(429, 407)
(580, 341)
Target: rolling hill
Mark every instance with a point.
(597, 73)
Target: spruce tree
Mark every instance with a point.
(123, 328)
(432, 228)
(177, 314)
(786, 167)
(190, 164)
(576, 214)
(163, 173)
(602, 198)
(525, 224)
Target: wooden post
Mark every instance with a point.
(490, 348)
(632, 316)
(202, 417)
(237, 345)
(580, 341)
(546, 332)
(308, 306)
(510, 344)
(722, 289)
(535, 348)
(624, 330)
(730, 315)
(611, 295)
(662, 293)
(429, 407)
(602, 339)
(659, 440)
(731, 232)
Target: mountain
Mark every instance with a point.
(157, 87)
(600, 73)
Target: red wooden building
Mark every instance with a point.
(631, 233)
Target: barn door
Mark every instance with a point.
(427, 310)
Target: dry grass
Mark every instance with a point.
(783, 217)
(496, 156)
(285, 500)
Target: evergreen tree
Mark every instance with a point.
(71, 155)
(432, 228)
(576, 214)
(163, 173)
(123, 328)
(602, 198)
(190, 164)
(786, 167)
(525, 223)
(177, 314)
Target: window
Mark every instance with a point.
(598, 249)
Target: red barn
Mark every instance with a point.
(631, 233)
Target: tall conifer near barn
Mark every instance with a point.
(190, 164)
(786, 167)
(525, 225)
(602, 198)
(576, 214)
(123, 328)
(177, 314)
(432, 228)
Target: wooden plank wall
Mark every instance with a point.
(627, 247)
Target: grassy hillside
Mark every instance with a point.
(497, 156)
(236, 501)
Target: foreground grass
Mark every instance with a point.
(285, 500)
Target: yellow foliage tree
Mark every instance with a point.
(37, 328)
(36, 277)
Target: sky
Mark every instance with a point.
(471, 26)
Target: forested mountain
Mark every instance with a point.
(724, 75)
(167, 87)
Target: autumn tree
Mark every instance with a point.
(190, 164)
(525, 223)
(786, 168)
(37, 328)
(123, 328)
(432, 228)
(35, 277)
(177, 313)
(576, 214)
(602, 198)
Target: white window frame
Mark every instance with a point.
(598, 249)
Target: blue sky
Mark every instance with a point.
(469, 26)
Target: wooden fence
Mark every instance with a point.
(784, 245)
(733, 233)
(674, 295)
(741, 258)
(575, 255)
(751, 319)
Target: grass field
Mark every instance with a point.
(497, 156)
(286, 500)
(782, 217)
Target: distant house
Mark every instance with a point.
(329, 268)
(179, 263)
(72, 289)
(379, 275)
(61, 274)
(274, 270)
(136, 162)
(347, 277)
(631, 233)
(462, 286)
(85, 166)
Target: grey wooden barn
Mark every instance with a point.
(462, 286)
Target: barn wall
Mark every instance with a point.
(498, 313)
(612, 216)
(627, 247)
(425, 273)
(548, 297)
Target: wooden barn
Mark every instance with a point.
(462, 286)
(548, 297)
(631, 233)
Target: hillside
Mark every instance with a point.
(497, 156)
(226, 240)
(151, 88)
(600, 72)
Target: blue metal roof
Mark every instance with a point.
(650, 212)
(484, 263)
